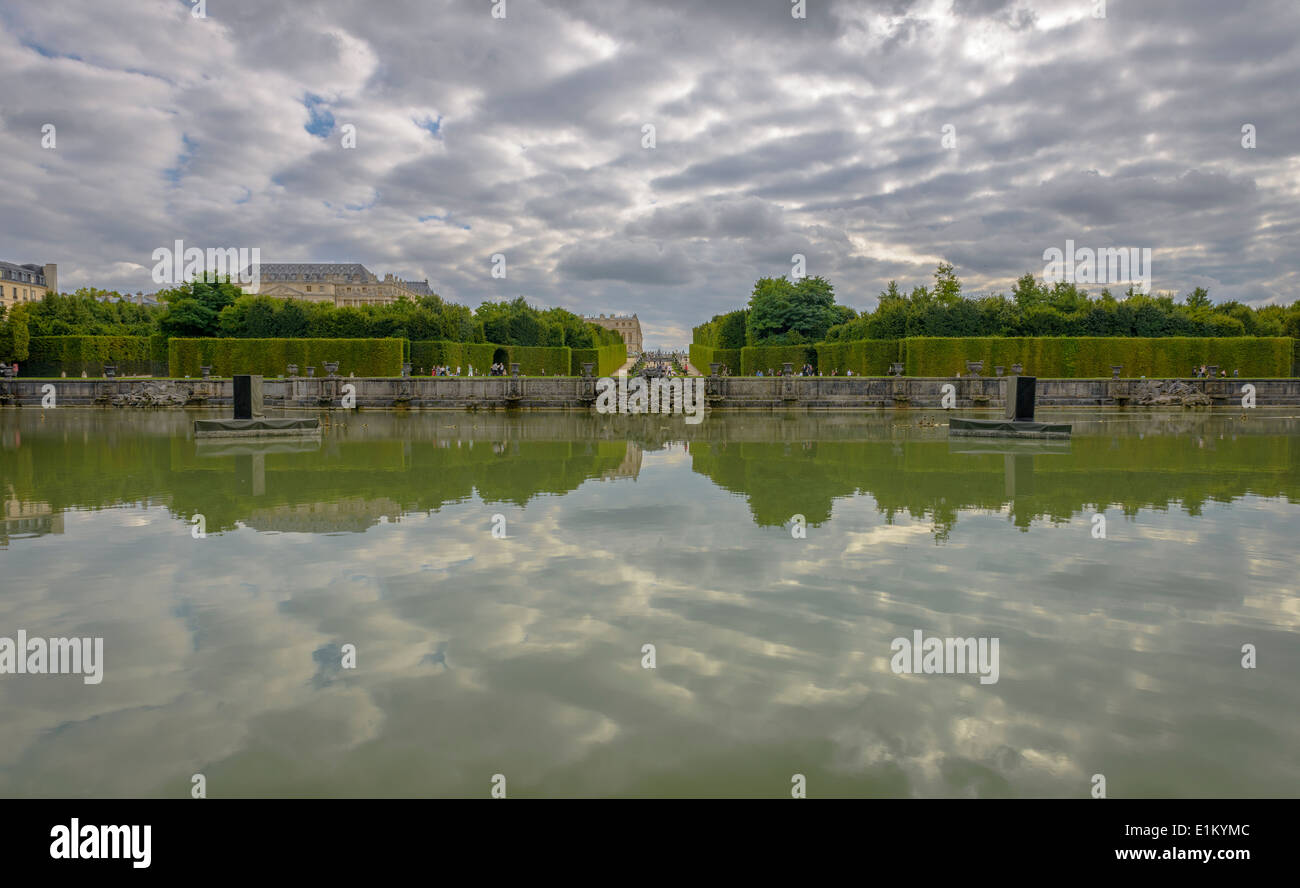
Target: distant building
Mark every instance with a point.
(26, 283)
(630, 327)
(342, 283)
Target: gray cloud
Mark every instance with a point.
(773, 135)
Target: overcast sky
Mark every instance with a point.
(774, 135)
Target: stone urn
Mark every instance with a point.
(206, 371)
(514, 368)
(998, 370)
(311, 372)
(787, 368)
(331, 368)
(293, 370)
(1115, 369)
(1016, 368)
(588, 368)
(110, 371)
(975, 367)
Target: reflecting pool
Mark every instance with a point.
(770, 560)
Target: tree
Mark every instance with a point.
(781, 312)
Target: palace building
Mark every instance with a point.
(630, 327)
(342, 283)
(26, 283)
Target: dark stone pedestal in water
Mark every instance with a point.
(248, 397)
(1020, 398)
(1018, 413)
(249, 421)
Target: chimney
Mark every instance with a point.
(51, 278)
(139, 297)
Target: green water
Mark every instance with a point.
(522, 656)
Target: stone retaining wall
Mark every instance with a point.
(723, 392)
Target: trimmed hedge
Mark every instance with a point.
(54, 355)
(1087, 357)
(430, 353)
(607, 358)
(158, 354)
(702, 355)
(270, 357)
(865, 357)
(770, 357)
(539, 360)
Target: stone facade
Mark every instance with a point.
(630, 327)
(339, 283)
(26, 283)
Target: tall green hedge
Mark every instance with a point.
(158, 354)
(607, 358)
(770, 357)
(539, 360)
(702, 355)
(865, 357)
(55, 355)
(532, 360)
(1092, 356)
(270, 357)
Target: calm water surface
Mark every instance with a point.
(523, 656)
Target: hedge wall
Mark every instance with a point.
(158, 354)
(270, 357)
(607, 358)
(1092, 356)
(54, 355)
(702, 355)
(770, 357)
(865, 357)
(539, 360)
(427, 354)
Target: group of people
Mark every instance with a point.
(806, 370)
(1203, 372)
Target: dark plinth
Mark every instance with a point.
(1020, 397)
(256, 428)
(1006, 428)
(248, 397)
